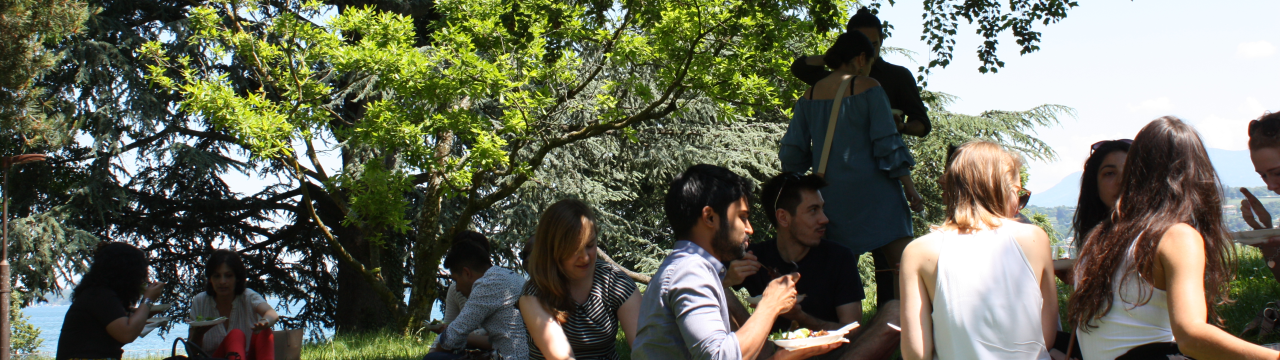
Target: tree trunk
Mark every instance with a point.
(359, 307)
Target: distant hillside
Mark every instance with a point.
(1233, 166)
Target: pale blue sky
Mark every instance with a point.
(1120, 64)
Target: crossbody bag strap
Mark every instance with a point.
(831, 127)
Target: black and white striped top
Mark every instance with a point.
(593, 328)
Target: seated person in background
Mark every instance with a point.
(247, 331)
(573, 302)
(684, 312)
(1264, 152)
(101, 319)
(492, 292)
(454, 300)
(831, 285)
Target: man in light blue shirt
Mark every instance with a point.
(684, 314)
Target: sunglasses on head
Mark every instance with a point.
(1099, 144)
(785, 178)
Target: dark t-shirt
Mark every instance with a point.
(897, 81)
(828, 278)
(84, 330)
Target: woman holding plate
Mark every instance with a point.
(246, 318)
(102, 317)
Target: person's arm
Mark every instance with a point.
(126, 329)
(1038, 249)
(913, 197)
(796, 151)
(486, 298)
(916, 305)
(908, 100)
(778, 298)
(544, 330)
(809, 69)
(267, 316)
(629, 317)
(810, 322)
(1181, 254)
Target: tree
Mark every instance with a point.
(443, 113)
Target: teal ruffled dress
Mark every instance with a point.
(864, 200)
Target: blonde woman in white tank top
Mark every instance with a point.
(981, 286)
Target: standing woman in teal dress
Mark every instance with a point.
(869, 168)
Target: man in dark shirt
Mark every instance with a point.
(898, 82)
(830, 283)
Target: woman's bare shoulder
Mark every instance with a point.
(864, 83)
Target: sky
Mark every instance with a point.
(1120, 64)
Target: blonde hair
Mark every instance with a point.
(557, 238)
(977, 186)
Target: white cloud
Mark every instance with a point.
(1160, 104)
(1223, 133)
(1255, 50)
(1252, 107)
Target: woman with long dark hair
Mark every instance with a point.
(1153, 271)
(103, 316)
(247, 330)
(573, 302)
(1099, 186)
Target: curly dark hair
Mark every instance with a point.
(118, 267)
(232, 260)
(1265, 131)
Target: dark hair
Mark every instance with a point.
(864, 18)
(700, 186)
(118, 267)
(1089, 209)
(848, 46)
(558, 237)
(232, 260)
(783, 192)
(467, 254)
(474, 237)
(1168, 180)
(1265, 132)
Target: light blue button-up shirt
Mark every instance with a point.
(683, 313)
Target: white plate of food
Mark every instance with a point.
(1254, 237)
(157, 308)
(755, 300)
(804, 338)
(204, 321)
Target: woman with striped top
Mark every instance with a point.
(573, 303)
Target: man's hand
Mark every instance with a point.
(805, 353)
(1249, 207)
(437, 328)
(739, 270)
(796, 314)
(780, 295)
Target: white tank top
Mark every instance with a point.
(1126, 326)
(987, 303)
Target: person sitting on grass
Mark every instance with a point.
(831, 285)
(454, 300)
(102, 317)
(981, 285)
(1264, 152)
(684, 312)
(1149, 277)
(573, 302)
(247, 330)
(492, 292)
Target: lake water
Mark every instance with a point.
(48, 318)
